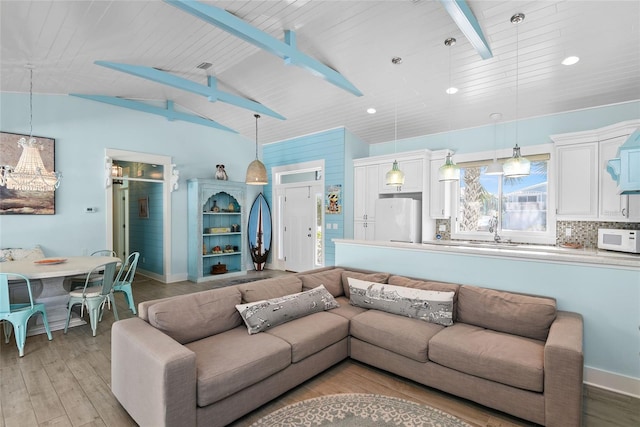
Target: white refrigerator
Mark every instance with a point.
(398, 220)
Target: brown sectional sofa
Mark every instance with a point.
(189, 360)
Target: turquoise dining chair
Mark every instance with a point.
(94, 298)
(125, 279)
(16, 316)
(78, 281)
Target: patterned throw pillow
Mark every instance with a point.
(262, 315)
(430, 306)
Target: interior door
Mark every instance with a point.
(299, 224)
(121, 219)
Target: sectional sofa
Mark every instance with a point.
(210, 357)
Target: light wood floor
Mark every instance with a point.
(66, 382)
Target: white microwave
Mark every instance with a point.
(619, 240)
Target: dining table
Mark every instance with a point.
(47, 277)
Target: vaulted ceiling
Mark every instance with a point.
(64, 39)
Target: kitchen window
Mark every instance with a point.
(514, 209)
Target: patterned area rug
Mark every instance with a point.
(349, 410)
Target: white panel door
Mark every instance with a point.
(299, 222)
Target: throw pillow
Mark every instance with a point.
(33, 254)
(262, 315)
(368, 277)
(430, 306)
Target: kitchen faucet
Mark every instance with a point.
(493, 228)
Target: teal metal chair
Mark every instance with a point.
(16, 316)
(94, 298)
(78, 281)
(125, 279)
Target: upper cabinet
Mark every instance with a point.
(365, 192)
(585, 190)
(413, 176)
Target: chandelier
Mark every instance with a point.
(256, 172)
(30, 173)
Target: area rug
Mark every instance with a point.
(349, 410)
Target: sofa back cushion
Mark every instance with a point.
(367, 277)
(270, 288)
(430, 306)
(188, 318)
(331, 279)
(428, 285)
(524, 315)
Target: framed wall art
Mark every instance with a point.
(22, 195)
(143, 207)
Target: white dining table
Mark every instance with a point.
(47, 286)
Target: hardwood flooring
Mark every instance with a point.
(66, 382)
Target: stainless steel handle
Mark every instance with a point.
(624, 212)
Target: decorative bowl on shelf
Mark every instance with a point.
(219, 268)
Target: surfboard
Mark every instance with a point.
(259, 231)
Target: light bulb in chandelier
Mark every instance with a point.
(395, 176)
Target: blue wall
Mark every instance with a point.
(83, 129)
(532, 131)
(327, 145)
(146, 234)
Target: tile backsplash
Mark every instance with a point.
(582, 232)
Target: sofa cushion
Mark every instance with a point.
(331, 279)
(270, 288)
(496, 356)
(402, 335)
(524, 315)
(187, 318)
(428, 285)
(367, 277)
(346, 310)
(262, 315)
(312, 333)
(232, 361)
(430, 306)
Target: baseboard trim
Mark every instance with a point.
(613, 382)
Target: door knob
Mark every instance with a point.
(308, 235)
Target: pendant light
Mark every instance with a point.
(449, 171)
(517, 165)
(495, 168)
(30, 173)
(395, 177)
(256, 172)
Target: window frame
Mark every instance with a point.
(547, 237)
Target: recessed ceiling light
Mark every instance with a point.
(371, 110)
(570, 60)
(452, 90)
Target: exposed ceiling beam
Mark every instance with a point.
(286, 50)
(210, 91)
(169, 112)
(465, 20)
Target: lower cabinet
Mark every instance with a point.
(364, 230)
(216, 223)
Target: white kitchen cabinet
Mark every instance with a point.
(614, 206)
(364, 230)
(413, 176)
(439, 192)
(577, 181)
(585, 189)
(365, 192)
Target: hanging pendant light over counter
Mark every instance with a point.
(495, 168)
(395, 177)
(517, 165)
(449, 171)
(256, 172)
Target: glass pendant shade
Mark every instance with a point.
(517, 165)
(256, 173)
(495, 168)
(449, 171)
(395, 176)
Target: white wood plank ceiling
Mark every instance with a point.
(62, 39)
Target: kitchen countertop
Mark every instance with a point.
(546, 253)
